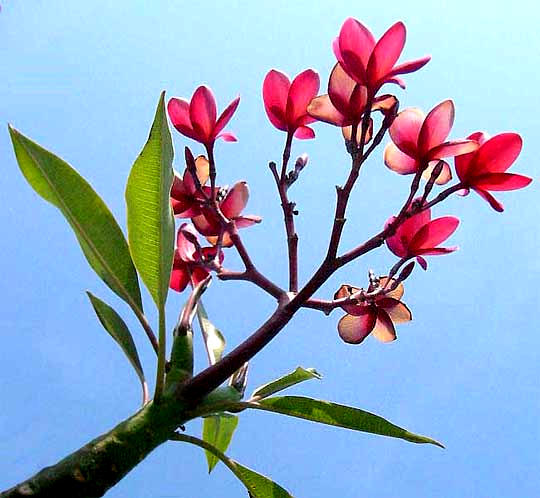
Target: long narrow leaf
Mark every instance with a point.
(218, 430)
(98, 233)
(213, 338)
(149, 216)
(118, 330)
(299, 375)
(258, 486)
(329, 413)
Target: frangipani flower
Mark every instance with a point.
(186, 201)
(197, 119)
(485, 169)
(419, 236)
(373, 64)
(209, 225)
(419, 142)
(286, 103)
(189, 259)
(377, 315)
(346, 101)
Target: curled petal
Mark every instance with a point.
(227, 136)
(302, 91)
(498, 153)
(452, 148)
(437, 251)
(410, 66)
(185, 242)
(399, 161)
(202, 112)
(436, 126)
(321, 108)
(235, 201)
(396, 81)
(247, 220)
(275, 91)
(384, 103)
(226, 116)
(384, 328)
(304, 133)
(433, 233)
(494, 203)
(405, 130)
(354, 329)
(386, 52)
(501, 181)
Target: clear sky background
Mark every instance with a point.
(83, 79)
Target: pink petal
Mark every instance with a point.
(396, 81)
(355, 46)
(178, 110)
(397, 311)
(202, 112)
(494, 203)
(227, 136)
(433, 233)
(463, 162)
(384, 328)
(444, 176)
(235, 201)
(399, 243)
(185, 238)
(177, 188)
(321, 108)
(354, 329)
(437, 251)
(398, 161)
(206, 224)
(436, 127)
(303, 90)
(340, 88)
(357, 103)
(410, 66)
(198, 274)
(304, 133)
(247, 220)
(179, 277)
(422, 262)
(452, 148)
(226, 116)
(386, 52)
(405, 130)
(275, 92)
(498, 153)
(501, 181)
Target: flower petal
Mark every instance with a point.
(227, 136)
(433, 233)
(410, 66)
(355, 46)
(386, 52)
(422, 262)
(275, 92)
(226, 115)
(206, 223)
(397, 311)
(202, 112)
(494, 203)
(235, 201)
(303, 90)
(452, 148)
(185, 242)
(399, 161)
(347, 133)
(247, 220)
(498, 153)
(396, 293)
(340, 89)
(304, 133)
(354, 329)
(444, 176)
(501, 181)
(179, 276)
(321, 108)
(405, 130)
(437, 126)
(178, 110)
(384, 328)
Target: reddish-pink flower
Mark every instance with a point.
(485, 169)
(286, 103)
(419, 236)
(373, 64)
(186, 200)
(197, 119)
(377, 315)
(346, 101)
(190, 260)
(419, 142)
(232, 205)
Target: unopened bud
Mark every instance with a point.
(406, 272)
(301, 162)
(238, 380)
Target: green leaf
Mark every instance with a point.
(149, 216)
(258, 486)
(213, 338)
(118, 330)
(218, 430)
(299, 375)
(98, 233)
(329, 413)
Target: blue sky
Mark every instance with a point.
(83, 78)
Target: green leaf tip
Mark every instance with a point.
(299, 375)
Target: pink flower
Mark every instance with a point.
(286, 103)
(419, 142)
(186, 201)
(190, 259)
(234, 202)
(419, 236)
(485, 169)
(377, 315)
(373, 64)
(197, 119)
(346, 101)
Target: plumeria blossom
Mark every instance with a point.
(419, 236)
(346, 102)
(375, 315)
(370, 63)
(186, 200)
(418, 141)
(197, 119)
(190, 260)
(232, 205)
(485, 169)
(286, 103)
